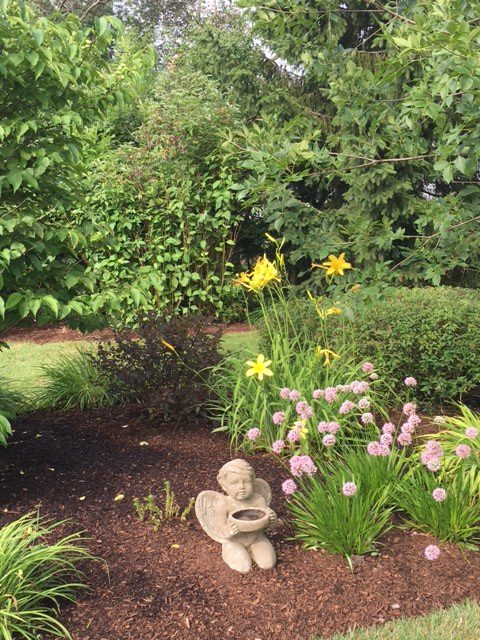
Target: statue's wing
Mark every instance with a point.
(205, 511)
(263, 488)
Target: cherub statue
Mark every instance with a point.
(238, 520)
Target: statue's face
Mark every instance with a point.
(238, 485)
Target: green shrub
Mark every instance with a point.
(161, 365)
(74, 381)
(454, 518)
(432, 334)
(12, 402)
(36, 577)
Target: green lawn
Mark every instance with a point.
(21, 363)
(461, 622)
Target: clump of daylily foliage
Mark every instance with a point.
(351, 463)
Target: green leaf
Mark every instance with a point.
(51, 303)
(38, 34)
(13, 300)
(15, 179)
(2, 308)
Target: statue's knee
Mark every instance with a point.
(237, 557)
(264, 555)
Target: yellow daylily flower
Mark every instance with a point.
(334, 266)
(168, 345)
(301, 428)
(356, 288)
(259, 367)
(262, 274)
(328, 355)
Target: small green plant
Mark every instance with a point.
(444, 505)
(74, 381)
(12, 402)
(36, 577)
(149, 511)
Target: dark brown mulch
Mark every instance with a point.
(62, 333)
(75, 465)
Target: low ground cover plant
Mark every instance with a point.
(158, 513)
(36, 577)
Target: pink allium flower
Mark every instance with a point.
(289, 486)
(410, 382)
(253, 434)
(463, 451)
(434, 464)
(407, 427)
(278, 417)
(349, 489)
(409, 408)
(364, 403)
(301, 406)
(318, 393)
(414, 420)
(329, 440)
(386, 439)
(373, 448)
(278, 446)
(322, 427)
(404, 439)
(373, 376)
(367, 367)
(342, 388)
(346, 407)
(285, 393)
(384, 450)
(432, 552)
(333, 427)
(434, 448)
(306, 413)
(471, 433)
(293, 435)
(439, 494)
(367, 418)
(294, 395)
(359, 387)
(330, 394)
(388, 427)
(302, 464)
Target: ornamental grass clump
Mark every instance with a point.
(36, 577)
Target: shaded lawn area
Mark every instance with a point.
(22, 361)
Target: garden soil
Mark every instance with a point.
(172, 584)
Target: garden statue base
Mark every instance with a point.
(238, 520)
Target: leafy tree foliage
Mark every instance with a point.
(55, 81)
(385, 164)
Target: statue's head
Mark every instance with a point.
(237, 479)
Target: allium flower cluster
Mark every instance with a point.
(330, 394)
(431, 456)
(293, 435)
(289, 486)
(284, 393)
(367, 367)
(373, 376)
(409, 408)
(386, 439)
(388, 427)
(349, 489)
(304, 410)
(432, 552)
(278, 417)
(439, 419)
(318, 393)
(359, 387)
(439, 494)
(471, 433)
(367, 418)
(463, 451)
(404, 439)
(278, 446)
(253, 434)
(294, 395)
(302, 464)
(378, 449)
(410, 382)
(346, 407)
(364, 403)
(329, 440)
(328, 427)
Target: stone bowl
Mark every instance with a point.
(253, 519)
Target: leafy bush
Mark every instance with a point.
(430, 333)
(161, 365)
(36, 577)
(74, 381)
(443, 505)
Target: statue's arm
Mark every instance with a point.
(224, 528)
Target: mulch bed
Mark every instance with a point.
(63, 333)
(153, 590)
